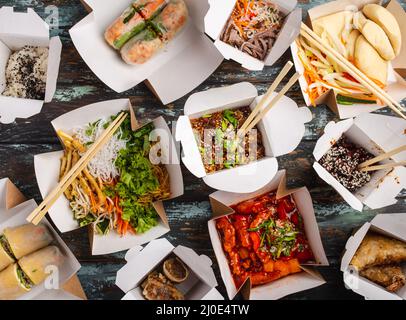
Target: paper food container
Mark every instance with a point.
(200, 284)
(47, 172)
(216, 20)
(391, 225)
(175, 71)
(377, 134)
(396, 84)
(282, 130)
(16, 216)
(309, 278)
(18, 29)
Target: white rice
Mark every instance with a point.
(26, 73)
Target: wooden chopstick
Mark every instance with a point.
(38, 214)
(313, 38)
(272, 103)
(382, 156)
(265, 98)
(384, 166)
(351, 66)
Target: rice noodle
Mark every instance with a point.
(103, 163)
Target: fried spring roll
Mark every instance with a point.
(377, 249)
(391, 277)
(27, 238)
(128, 25)
(171, 20)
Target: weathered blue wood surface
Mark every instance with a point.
(77, 86)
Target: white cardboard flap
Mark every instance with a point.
(198, 10)
(391, 225)
(185, 70)
(244, 179)
(130, 276)
(189, 56)
(54, 59)
(217, 17)
(47, 173)
(5, 53)
(113, 242)
(215, 98)
(387, 132)
(191, 157)
(12, 108)
(70, 265)
(285, 125)
(56, 295)
(18, 29)
(201, 265)
(287, 285)
(47, 167)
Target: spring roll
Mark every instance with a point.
(27, 238)
(13, 283)
(35, 265)
(149, 9)
(377, 249)
(142, 47)
(6, 256)
(171, 20)
(391, 277)
(128, 25)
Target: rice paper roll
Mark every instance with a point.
(35, 264)
(142, 47)
(128, 25)
(149, 9)
(171, 20)
(27, 238)
(6, 257)
(13, 283)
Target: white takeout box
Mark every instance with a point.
(13, 216)
(310, 278)
(47, 172)
(200, 284)
(176, 70)
(218, 15)
(377, 134)
(282, 130)
(391, 225)
(396, 84)
(18, 29)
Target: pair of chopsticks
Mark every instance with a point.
(315, 40)
(261, 108)
(366, 166)
(38, 214)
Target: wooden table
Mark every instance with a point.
(188, 215)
